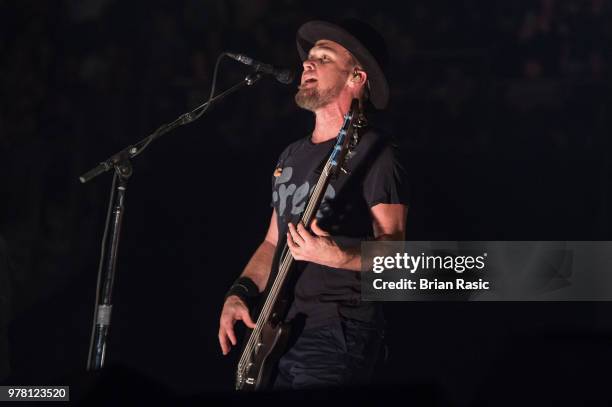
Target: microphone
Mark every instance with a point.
(284, 76)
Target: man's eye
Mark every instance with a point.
(322, 59)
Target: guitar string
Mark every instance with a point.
(286, 263)
(279, 280)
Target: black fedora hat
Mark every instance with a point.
(359, 39)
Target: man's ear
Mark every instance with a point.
(359, 77)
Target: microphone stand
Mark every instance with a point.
(122, 165)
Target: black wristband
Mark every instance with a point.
(245, 289)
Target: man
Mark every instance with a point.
(338, 336)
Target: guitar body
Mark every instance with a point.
(257, 367)
(261, 370)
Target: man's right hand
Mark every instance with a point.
(234, 310)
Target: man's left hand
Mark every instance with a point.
(316, 247)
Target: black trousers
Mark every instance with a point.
(341, 353)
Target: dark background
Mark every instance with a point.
(502, 111)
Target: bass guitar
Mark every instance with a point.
(267, 341)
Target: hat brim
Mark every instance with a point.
(313, 31)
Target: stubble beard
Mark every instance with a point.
(313, 98)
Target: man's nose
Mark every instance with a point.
(308, 65)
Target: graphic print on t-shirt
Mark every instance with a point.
(375, 176)
(299, 195)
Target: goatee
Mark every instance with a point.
(313, 99)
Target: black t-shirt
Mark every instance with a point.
(375, 176)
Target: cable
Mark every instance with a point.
(212, 89)
(100, 267)
(187, 117)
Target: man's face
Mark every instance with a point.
(326, 71)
